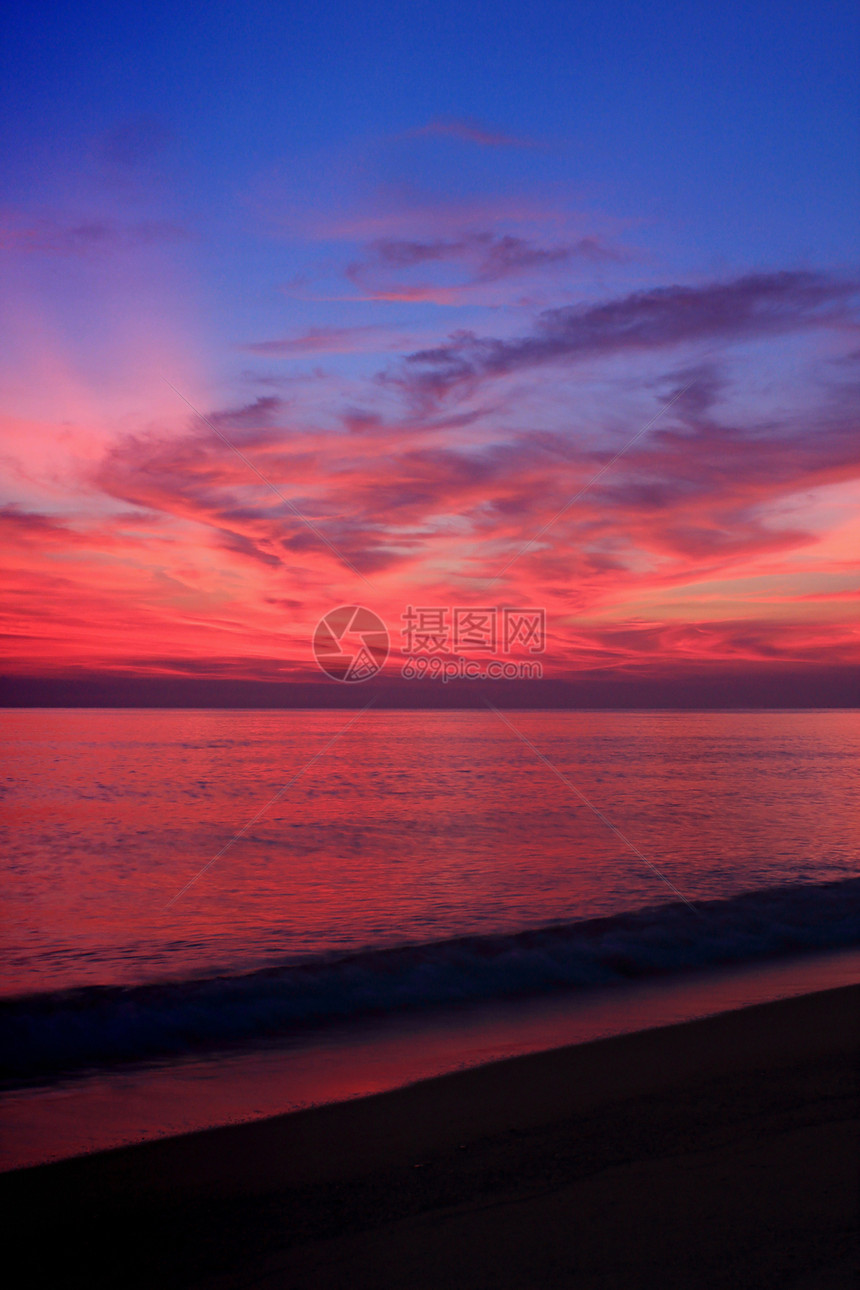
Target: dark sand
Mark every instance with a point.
(719, 1153)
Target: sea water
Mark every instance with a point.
(214, 914)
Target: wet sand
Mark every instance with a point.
(717, 1153)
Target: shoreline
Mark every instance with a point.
(745, 1116)
(40, 1123)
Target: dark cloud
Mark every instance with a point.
(508, 255)
(18, 524)
(757, 305)
(694, 390)
(361, 420)
(244, 546)
(488, 257)
(250, 416)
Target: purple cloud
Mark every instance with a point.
(252, 416)
(753, 306)
(86, 236)
(330, 340)
(487, 256)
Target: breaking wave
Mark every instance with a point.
(54, 1033)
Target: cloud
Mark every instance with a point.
(693, 499)
(49, 234)
(483, 258)
(222, 567)
(20, 526)
(630, 645)
(731, 512)
(251, 416)
(331, 340)
(469, 131)
(754, 306)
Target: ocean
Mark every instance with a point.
(211, 915)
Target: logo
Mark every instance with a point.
(351, 643)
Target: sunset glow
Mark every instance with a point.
(466, 363)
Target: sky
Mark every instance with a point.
(541, 305)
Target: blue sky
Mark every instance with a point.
(727, 129)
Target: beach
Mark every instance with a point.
(720, 1152)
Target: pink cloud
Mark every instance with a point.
(167, 553)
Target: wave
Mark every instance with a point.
(54, 1033)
